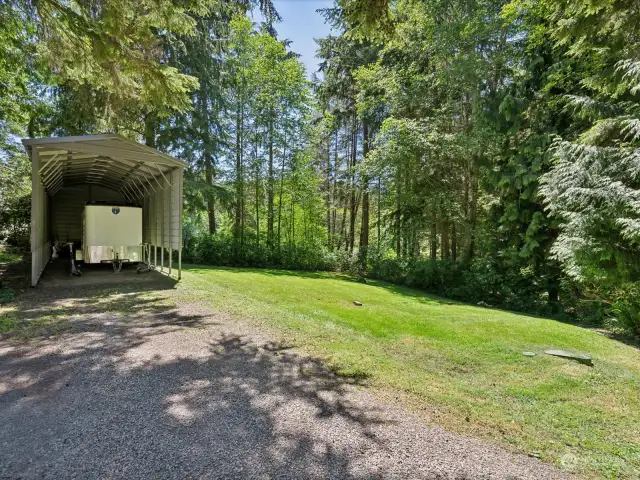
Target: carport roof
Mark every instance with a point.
(110, 160)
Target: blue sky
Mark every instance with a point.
(301, 24)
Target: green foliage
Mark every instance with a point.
(82, 43)
(474, 96)
(593, 189)
(367, 18)
(458, 145)
(15, 217)
(485, 282)
(245, 138)
(14, 74)
(15, 199)
(221, 250)
(625, 307)
(15, 105)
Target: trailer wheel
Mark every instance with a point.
(117, 266)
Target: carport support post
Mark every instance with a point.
(162, 234)
(171, 227)
(180, 211)
(35, 212)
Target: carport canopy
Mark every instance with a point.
(142, 175)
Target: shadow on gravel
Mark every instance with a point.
(122, 392)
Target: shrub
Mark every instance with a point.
(224, 250)
(625, 306)
(485, 280)
(390, 270)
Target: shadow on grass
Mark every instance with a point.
(111, 394)
(619, 336)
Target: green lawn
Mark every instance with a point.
(461, 365)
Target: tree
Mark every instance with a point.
(117, 48)
(338, 93)
(593, 188)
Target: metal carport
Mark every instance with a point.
(69, 171)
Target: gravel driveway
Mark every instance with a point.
(138, 386)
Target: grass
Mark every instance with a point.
(15, 326)
(121, 301)
(9, 255)
(12, 323)
(459, 364)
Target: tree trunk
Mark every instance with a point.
(379, 219)
(293, 220)
(433, 242)
(304, 224)
(415, 249)
(553, 272)
(150, 125)
(327, 187)
(257, 188)
(211, 200)
(364, 228)
(472, 218)
(343, 230)
(445, 254)
(207, 157)
(454, 242)
(398, 219)
(238, 220)
(352, 174)
(270, 187)
(405, 239)
(284, 159)
(334, 190)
